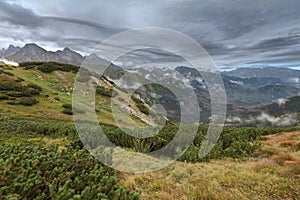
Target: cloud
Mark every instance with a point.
(234, 32)
(17, 15)
(22, 24)
(281, 102)
(285, 120)
(279, 42)
(264, 118)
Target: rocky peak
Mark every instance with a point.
(33, 46)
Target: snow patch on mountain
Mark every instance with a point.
(237, 82)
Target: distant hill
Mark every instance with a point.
(244, 91)
(285, 74)
(283, 106)
(274, 72)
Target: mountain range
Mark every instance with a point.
(32, 52)
(248, 90)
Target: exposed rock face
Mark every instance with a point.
(9, 51)
(32, 52)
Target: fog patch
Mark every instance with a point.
(266, 119)
(7, 62)
(281, 102)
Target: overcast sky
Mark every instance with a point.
(236, 33)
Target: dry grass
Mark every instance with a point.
(273, 174)
(281, 158)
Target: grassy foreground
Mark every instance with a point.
(274, 173)
(29, 130)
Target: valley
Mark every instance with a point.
(256, 156)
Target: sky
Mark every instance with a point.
(236, 33)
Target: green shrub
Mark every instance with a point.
(7, 73)
(24, 64)
(52, 66)
(105, 91)
(19, 80)
(67, 106)
(48, 67)
(28, 67)
(15, 90)
(27, 125)
(10, 87)
(12, 102)
(4, 97)
(233, 142)
(141, 105)
(38, 172)
(17, 94)
(34, 86)
(27, 101)
(68, 111)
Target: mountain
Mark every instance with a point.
(247, 89)
(32, 52)
(283, 106)
(9, 51)
(244, 91)
(243, 94)
(254, 82)
(69, 56)
(287, 75)
(274, 72)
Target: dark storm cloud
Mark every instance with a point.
(279, 42)
(100, 27)
(18, 15)
(231, 18)
(30, 26)
(234, 32)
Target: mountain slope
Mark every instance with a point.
(283, 106)
(47, 87)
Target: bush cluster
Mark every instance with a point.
(15, 90)
(68, 111)
(48, 67)
(38, 172)
(5, 72)
(140, 104)
(36, 126)
(105, 91)
(233, 142)
(19, 94)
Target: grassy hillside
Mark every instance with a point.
(290, 105)
(53, 99)
(43, 158)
